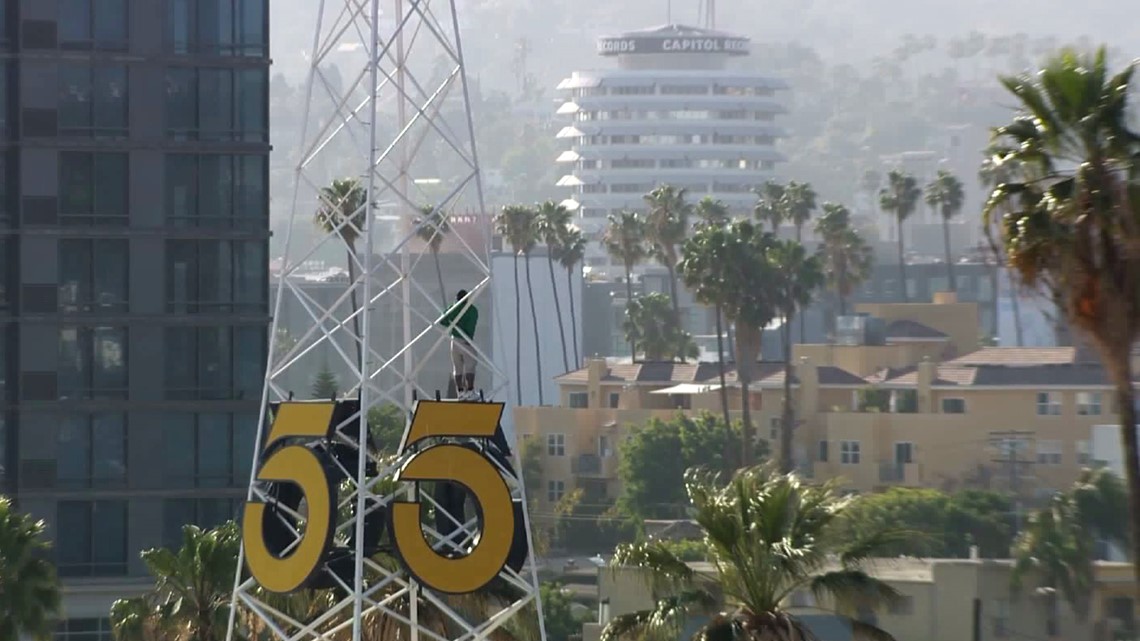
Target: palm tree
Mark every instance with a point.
(553, 219)
(572, 250)
(945, 195)
(799, 203)
(900, 198)
(847, 258)
(432, 227)
(516, 224)
(1055, 548)
(624, 240)
(714, 213)
(343, 211)
(1072, 232)
(769, 207)
(796, 276)
(29, 589)
(666, 227)
(649, 325)
(728, 266)
(768, 536)
(992, 173)
(191, 592)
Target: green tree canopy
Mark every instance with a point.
(652, 328)
(29, 589)
(655, 456)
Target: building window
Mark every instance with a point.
(615, 400)
(205, 513)
(92, 451)
(556, 445)
(92, 363)
(8, 247)
(93, 188)
(1048, 404)
(216, 104)
(218, 27)
(604, 446)
(208, 450)
(849, 452)
(1084, 456)
(83, 630)
(579, 400)
(210, 276)
(904, 606)
(823, 445)
(774, 425)
(93, 24)
(953, 406)
(93, 275)
(91, 538)
(555, 490)
(215, 363)
(93, 101)
(1089, 403)
(1049, 452)
(207, 190)
(1000, 619)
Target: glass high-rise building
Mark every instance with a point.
(133, 275)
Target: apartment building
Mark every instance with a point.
(942, 600)
(904, 396)
(133, 276)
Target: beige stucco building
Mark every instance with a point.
(943, 600)
(904, 396)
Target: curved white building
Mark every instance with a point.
(673, 111)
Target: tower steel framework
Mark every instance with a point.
(386, 107)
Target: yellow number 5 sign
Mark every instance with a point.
(478, 475)
(307, 469)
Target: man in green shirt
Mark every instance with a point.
(462, 323)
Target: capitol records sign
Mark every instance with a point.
(617, 45)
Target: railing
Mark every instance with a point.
(587, 464)
(892, 472)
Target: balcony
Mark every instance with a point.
(594, 466)
(908, 474)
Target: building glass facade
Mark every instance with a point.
(133, 273)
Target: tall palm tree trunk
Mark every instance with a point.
(748, 341)
(359, 341)
(518, 329)
(902, 267)
(787, 464)
(1120, 369)
(557, 310)
(628, 300)
(949, 261)
(1018, 329)
(573, 316)
(720, 361)
(439, 276)
(672, 269)
(534, 323)
(803, 319)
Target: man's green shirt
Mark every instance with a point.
(464, 327)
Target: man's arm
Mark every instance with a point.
(449, 316)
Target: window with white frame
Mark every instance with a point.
(774, 426)
(953, 406)
(615, 399)
(849, 452)
(555, 490)
(1048, 404)
(579, 400)
(823, 451)
(1084, 456)
(556, 445)
(1089, 403)
(1049, 452)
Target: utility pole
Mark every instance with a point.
(1011, 444)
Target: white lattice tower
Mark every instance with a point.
(395, 116)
